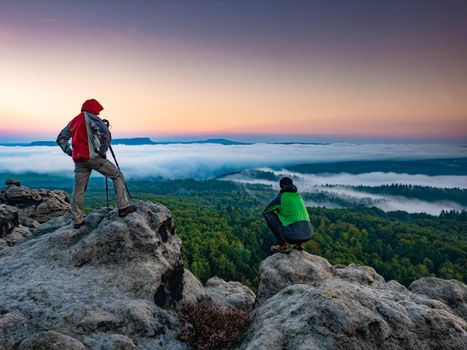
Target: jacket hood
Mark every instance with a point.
(92, 106)
(289, 188)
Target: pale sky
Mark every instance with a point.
(163, 69)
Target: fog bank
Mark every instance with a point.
(202, 161)
(311, 183)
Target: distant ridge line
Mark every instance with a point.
(136, 141)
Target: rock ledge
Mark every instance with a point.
(305, 303)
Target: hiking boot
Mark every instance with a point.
(298, 246)
(126, 211)
(279, 248)
(77, 226)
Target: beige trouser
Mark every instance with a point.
(82, 173)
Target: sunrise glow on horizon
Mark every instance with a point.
(179, 68)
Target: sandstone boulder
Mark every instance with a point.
(12, 182)
(23, 209)
(193, 290)
(307, 304)
(451, 292)
(8, 219)
(112, 284)
(51, 341)
(11, 229)
(40, 205)
(279, 271)
(229, 294)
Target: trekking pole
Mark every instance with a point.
(118, 167)
(115, 159)
(107, 194)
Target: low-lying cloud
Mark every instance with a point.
(310, 181)
(202, 161)
(317, 184)
(393, 203)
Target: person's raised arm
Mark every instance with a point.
(62, 140)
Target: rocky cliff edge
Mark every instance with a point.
(304, 302)
(112, 284)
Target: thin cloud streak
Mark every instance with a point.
(311, 181)
(392, 203)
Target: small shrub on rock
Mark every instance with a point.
(207, 326)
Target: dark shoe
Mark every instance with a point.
(298, 246)
(77, 226)
(126, 211)
(279, 248)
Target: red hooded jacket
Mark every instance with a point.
(90, 137)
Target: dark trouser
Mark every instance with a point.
(275, 225)
(288, 234)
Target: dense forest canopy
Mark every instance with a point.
(224, 234)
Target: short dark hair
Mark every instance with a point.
(285, 181)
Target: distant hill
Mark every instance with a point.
(217, 141)
(300, 143)
(127, 141)
(18, 144)
(42, 143)
(449, 166)
(146, 141)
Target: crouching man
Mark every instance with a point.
(90, 140)
(287, 218)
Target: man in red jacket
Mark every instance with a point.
(90, 140)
